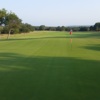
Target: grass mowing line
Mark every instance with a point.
(56, 70)
(38, 47)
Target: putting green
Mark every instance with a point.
(50, 66)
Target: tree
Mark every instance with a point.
(12, 22)
(3, 13)
(47, 28)
(1, 28)
(92, 28)
(2, 19)
(97, 26)
(58, 28)
(63, 28)
(84, 29)
(25, 28)
(42, 27)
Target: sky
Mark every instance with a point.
(55, 12)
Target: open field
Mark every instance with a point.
(50, 66)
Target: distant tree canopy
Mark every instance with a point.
(3, 13)
(25, 28)
(11, 23)
(42, 27)
(97, 26)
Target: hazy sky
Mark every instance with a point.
(55, 12)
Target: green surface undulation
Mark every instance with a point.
(50, 66)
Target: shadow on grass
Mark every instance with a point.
(48, 78)
(87, 35)
(93, 47)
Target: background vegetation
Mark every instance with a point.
(11, 23)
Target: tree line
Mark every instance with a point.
(95, 27)
(10, 23)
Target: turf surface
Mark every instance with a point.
(50, 66)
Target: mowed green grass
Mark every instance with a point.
(50, 66)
